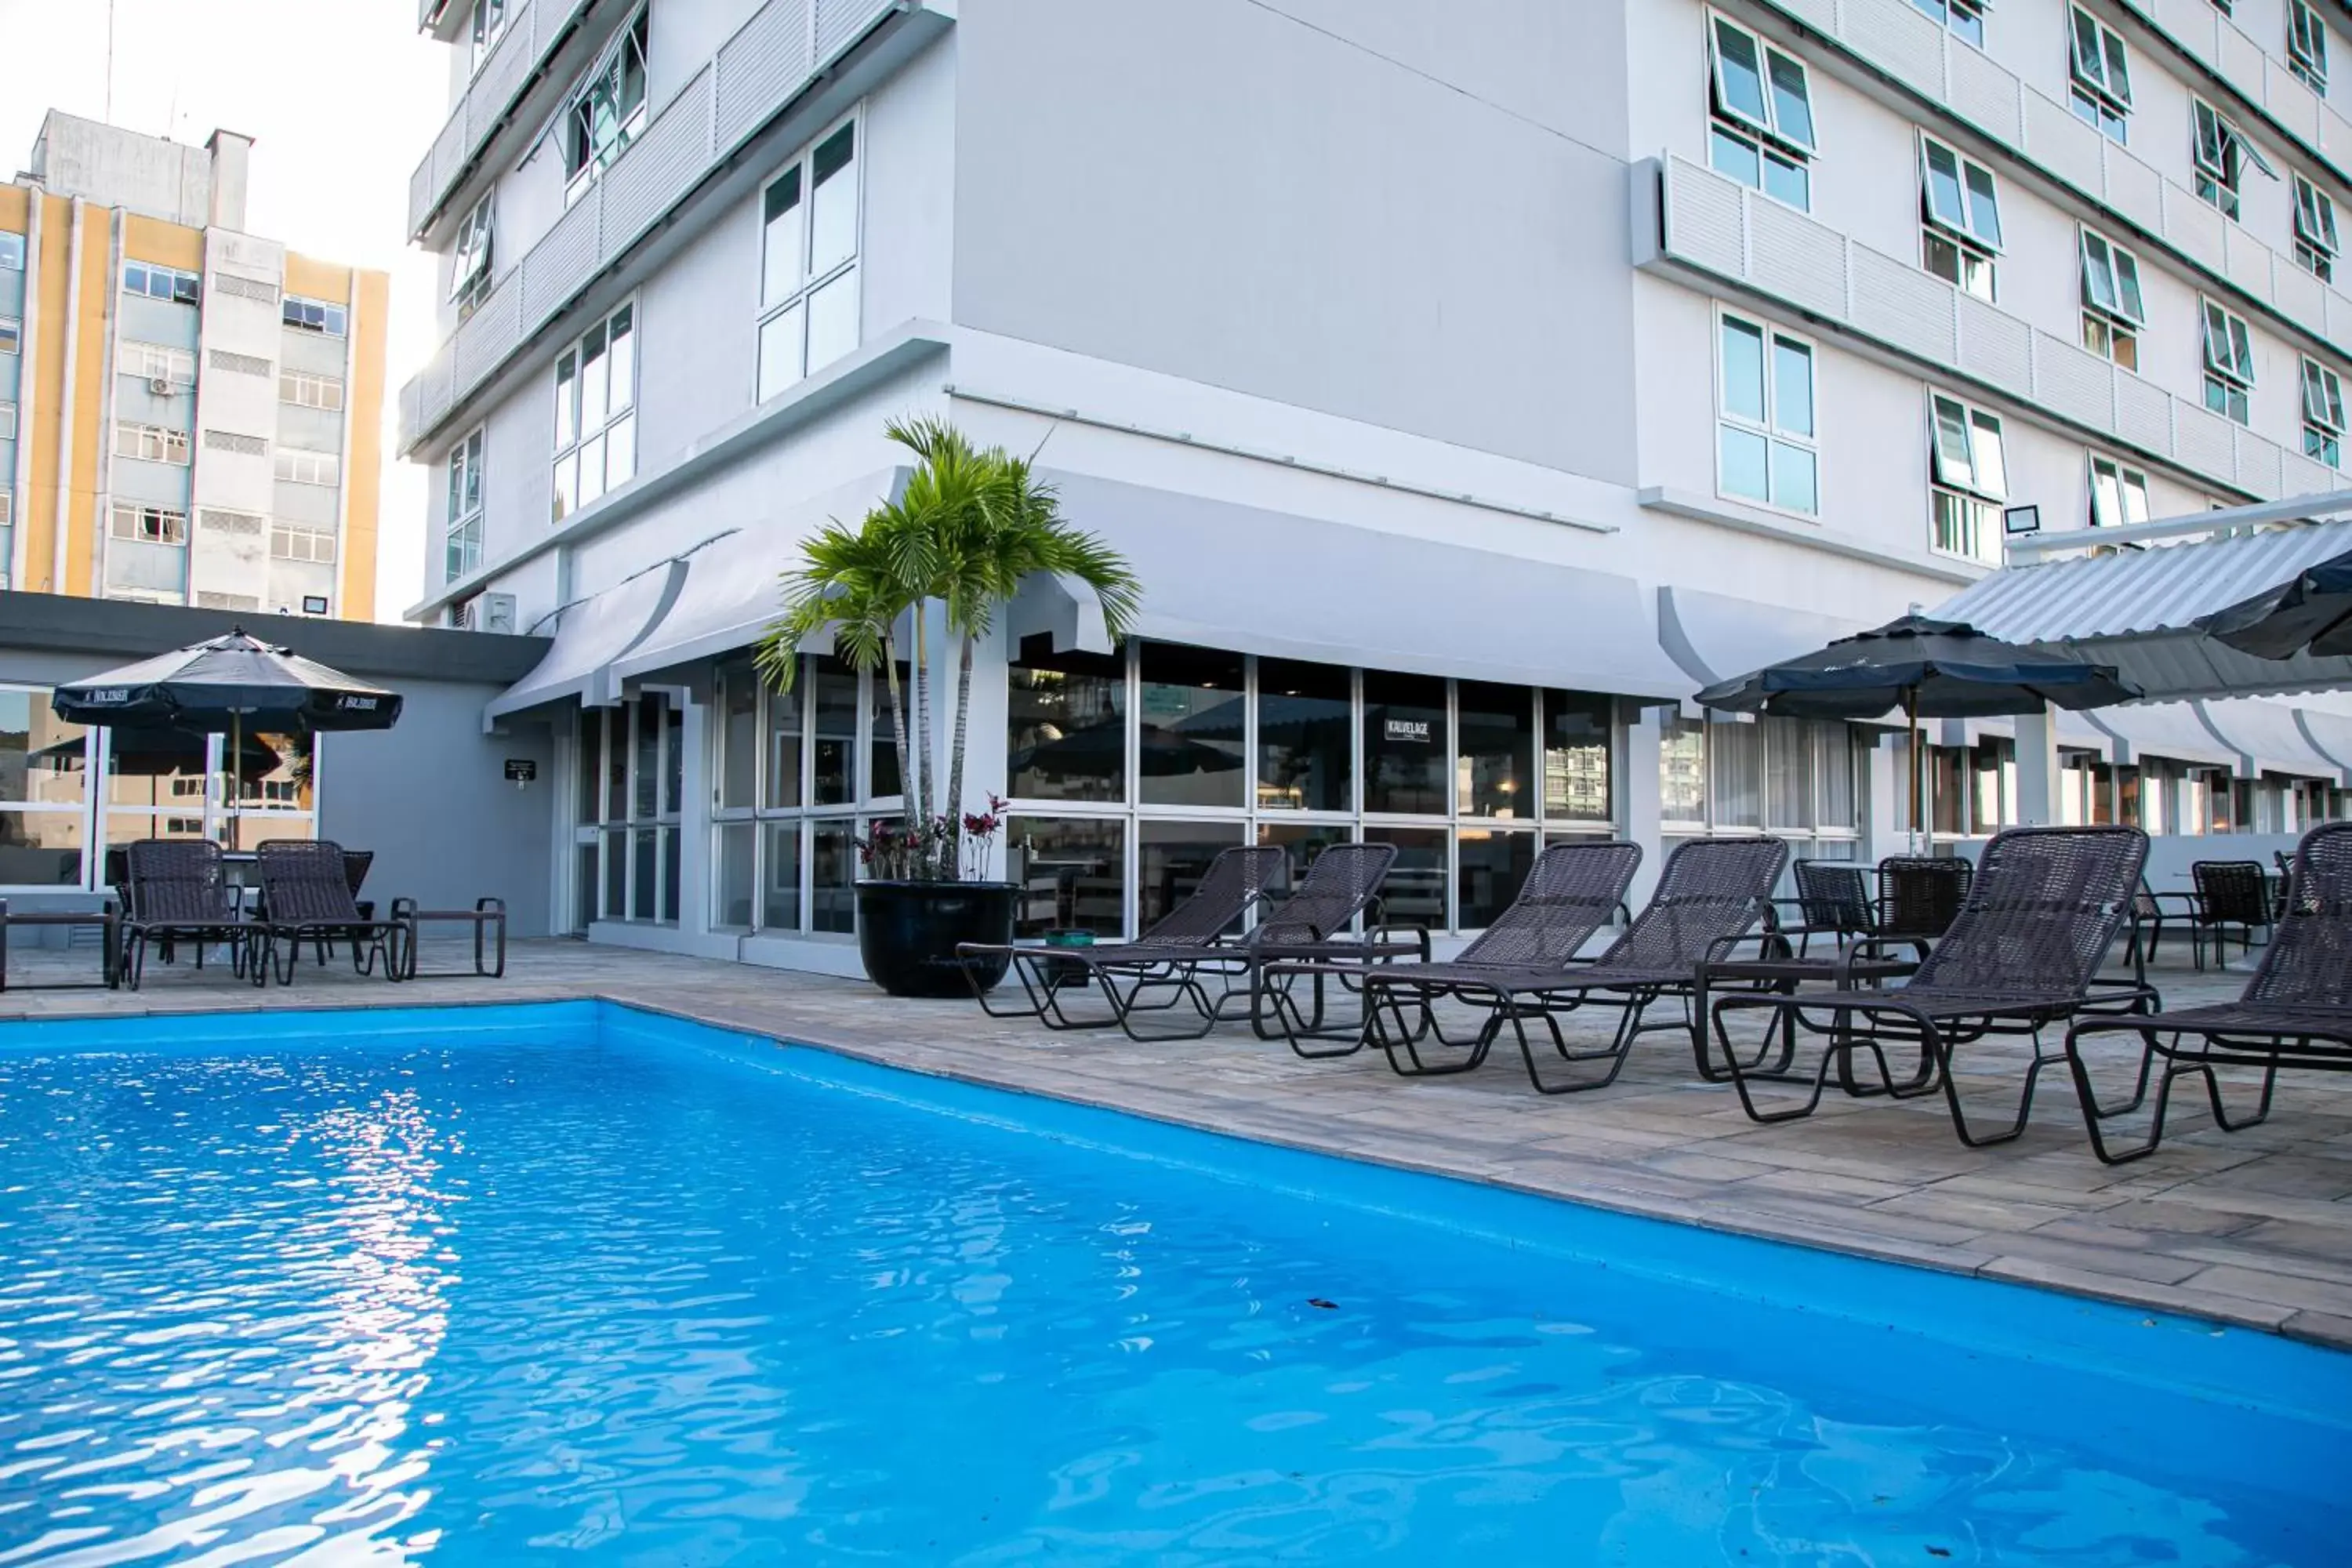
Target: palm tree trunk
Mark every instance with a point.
(922, 782)
(955, 755)
(898, 722)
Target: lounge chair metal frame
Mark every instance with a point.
(306, 896)
(2043, 908)
(2295, 1012)
(175, 891)
(1713, 894)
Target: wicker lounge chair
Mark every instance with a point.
(2044, 907)
(1711, 896)
(175, 892)
(306, 894)
(1569, 893)
(1173, 964)
(2295, 1012)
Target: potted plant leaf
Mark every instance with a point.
(971, 525)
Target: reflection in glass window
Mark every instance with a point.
(1304, 737)
(1189, 743)
(1405, 743)
(833, 701)
(1171, 858)
(1737, 763)
(1301, 842)
(779, 877)
(1577, 728)
(884, 764)
(1494, 759)
(1414, 893)
(782, 748)
(1494, 865)
(731, 884)
(832, 874)
(1071, 871)
(1682, 769)
(738, 737)
(1065, 716)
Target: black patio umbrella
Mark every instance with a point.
(2311, 614)
(1929, 670)
(228, 685)
(1162, 754)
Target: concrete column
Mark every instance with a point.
(2037, 767)
(1638, 789)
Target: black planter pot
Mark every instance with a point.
(908, 934)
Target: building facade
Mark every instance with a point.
(1467, 393)
(190, 414)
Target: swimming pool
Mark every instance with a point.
(571, 1281)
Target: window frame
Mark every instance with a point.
(1774, 146)
(2099, 81)
(2322, 413)
(461, 529)
(294, 465)
(2118, 322)
(166, 441)
(183, 286)
(179, 365)
(1973, 186)
(2316, 240)
(486, 26)
(1949, 15)
(2307, 46)
(169, 524)
(281, 531)
(2126, 481)
(629, 122)
(12, 250)
(846, 270)
(2231, 369)
(1769, 427)
(7, 419)
(472, 255)
(1956, 479)
(569, 406)
(12, 335)
(295, 380)
(2220, 178)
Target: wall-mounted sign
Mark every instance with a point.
(521, 770)
(314, 603)
(1416, 730)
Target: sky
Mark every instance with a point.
(341, 97)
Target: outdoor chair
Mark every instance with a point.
(306, 895)
(1712, 895)
(1571, 892)
(1919, 896)
(2148, 915)
(1834, 900)
(2295, 1012)
(2043, 908)
(175, 891)
(2229, 893)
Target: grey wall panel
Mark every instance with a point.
(153, 568)
(135, 404)
(311, 504)
(313, 351)
(697, 336)
(1220, 192)
(312, 430)
(145, 320)
(163, 484)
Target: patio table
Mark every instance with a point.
(108, 919)
(1842, 971)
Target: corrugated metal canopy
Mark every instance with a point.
(2136, 610)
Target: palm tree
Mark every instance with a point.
(970, 526)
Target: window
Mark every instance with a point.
(2323, 414)
(12, 335)
(1962, 19)
(2221, 152)
(2229, 363)
(608, 111)
(143, 524)
(1968, 477)
(1765, 437)
(630, 849)
(469, 273)
(464, 526)
(151, 442)
(2100, 74)
(298, 467)
(152, 361)
(595, 413)
(7, 513)
(2307, 46)
(808, 267)
(2113, 310)
(1763, 129)
(7, 421)
(2119, 495)
(313, 316)
(2315, 230)
(489, 26)
(1960, 209)
(305, 389)
(302, 542)
(12, 251)
(161, 282)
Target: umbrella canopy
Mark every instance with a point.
(1927, 668)
(230, 683)
(2311, 614)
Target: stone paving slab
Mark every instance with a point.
(2252, 1229)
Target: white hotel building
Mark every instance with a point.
(1468, 384)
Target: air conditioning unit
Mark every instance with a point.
(494, 613)
(161, 386)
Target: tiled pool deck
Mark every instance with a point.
(2253, 1227)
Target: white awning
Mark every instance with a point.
(2269, 740)
(731, 593)
(2168, 730)
(2330, 735)
(1713, 637)
(2136, 609)
(1230, 576)
(589, 636)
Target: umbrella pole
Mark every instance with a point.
(1919, 806)
(235, 756)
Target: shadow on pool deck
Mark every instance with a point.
(2252, 1227)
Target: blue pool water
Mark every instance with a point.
(570, 1283)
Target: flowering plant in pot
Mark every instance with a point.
(972, 524)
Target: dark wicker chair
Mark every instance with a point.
(2229, 893)
(1919, 896)
(2043, 908)
(1571, 893)
(2295, 1012)
(1713, 894)
(175, 891)
(1834, 900)
(306, 892)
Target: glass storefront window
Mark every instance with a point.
(1065, 718)
(1170, 857)
(1835, 764)
(1495, 728)
(885, 762)
(781, 790)
(1493, 868)
(1190, 741)
(738, 722)
(1577, 728)
(1682, 769)
(1301, 842)
(834, 725)
(780, 876)
(1787, 773)
(1405, 743)
(1306, 746)
(588, 774)
(616, 764)
(1946, 802)
(617, 874)
(1414, 893)
(1736, 753)
(1992, 785)
(731, 883)
(646, 796)
(1072, 873)
(832, 877)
